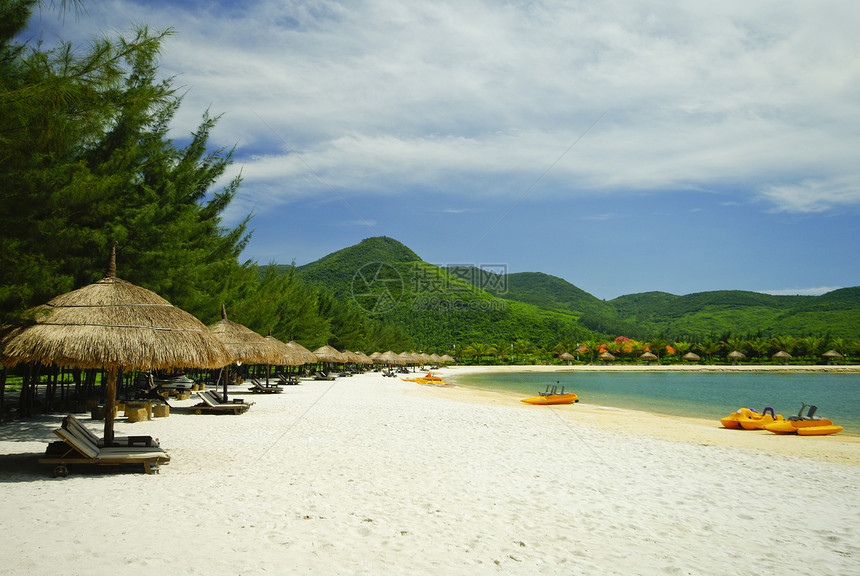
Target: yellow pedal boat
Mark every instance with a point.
(552, 397)
(808, 425)
(749, 419)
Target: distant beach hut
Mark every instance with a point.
(648, 357)
(782, 357)
(606, 357)
(735, 356)
(117, 325)
(691, 357)
(831, 355)
(566, 357)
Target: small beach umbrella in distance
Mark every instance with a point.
(242, 344)
(782, 355)
(648, 356)
(735, 355)
(691, 357)
(831, 355)
(113, 324)
(606, 357)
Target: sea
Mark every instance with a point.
(694, 394)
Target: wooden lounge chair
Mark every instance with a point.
(262, 388)
(80, 449)
(287, 380)
(76, 426)
(212, 404)
(322, 376)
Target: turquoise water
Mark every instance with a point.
(698, 394)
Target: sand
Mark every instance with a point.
(374, 475)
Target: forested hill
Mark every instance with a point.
(641, 316)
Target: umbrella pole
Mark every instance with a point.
(226, 378)
(110, 405)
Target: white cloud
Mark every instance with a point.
(379, 96)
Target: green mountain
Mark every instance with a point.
(437, 308)
(442, 307)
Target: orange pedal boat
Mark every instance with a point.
(552, 397)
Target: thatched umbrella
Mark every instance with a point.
(831, 355)
(448, 359)
(329, 354)
(435, 358)
(648, 356)
(388, 357)
(242, 343)
(782, 355)
(566, 356)
(306, 356)
(691, 357)
(606, 357)
(116, 325)
(735, 355)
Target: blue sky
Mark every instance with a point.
(625, 146)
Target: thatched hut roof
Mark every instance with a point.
(832, 354)
(305, 355)
(435, 358)
(287, 355)
(388, 357)
(691, 357)
(648, 356)
(736, 355)
(329, 354)
(567, 356)
(243, 344)
(606, 357)
(113, 323)
(782, 355)
(448, 359)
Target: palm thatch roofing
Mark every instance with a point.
(389, 357)
(648, 356)
(304, 354)
(691, 357)
(448, 359)
(832, 354)
(363, 358)
(567, 356)
(243, 344)
(782, 354)
(329, 354)
(735, 355)
(113, 323)
(606, 357)
(435, 358)
(287, 355)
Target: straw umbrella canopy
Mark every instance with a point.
(389, 357)
(435, 358)
(306, 356)
(329, 354)
(242, 343)
(448, 359)
(566, 356)
(607, 357)
(691, 357)
(363, 358)
(831, 355)
(117, 325)
(736, 355)
(648, 356)
(782, 355)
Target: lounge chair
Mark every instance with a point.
(288, 380)
(80, 449)
(213, 404)
(262, 388)
(76, 426)
(322, 376)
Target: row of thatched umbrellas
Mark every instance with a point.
(116, 325)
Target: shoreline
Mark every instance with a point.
(835, 368)
(842, 448)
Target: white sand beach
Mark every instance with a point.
(374, 475)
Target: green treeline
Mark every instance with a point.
(86, 162)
